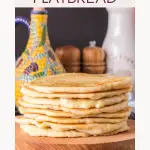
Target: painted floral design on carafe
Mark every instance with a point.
(38, 60)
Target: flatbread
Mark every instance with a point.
(44, 118)
(29, 105)
(88, 128)
(94, 111)
(95, 96)
(34, 131)
(72, 103)
(68, 112)
(121, 114)
(108, 129)
(78, 83)
(52, 113)
(117, 115)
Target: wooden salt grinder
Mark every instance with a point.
(69, 56)
(93, 59)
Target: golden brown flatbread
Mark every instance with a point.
(117, 115)
(78, 83)
(68, 112)
(95, 128)
(71, 103)
(94, 111)
(95, 96)
(34, 131)
(44, 118)
(120, 114)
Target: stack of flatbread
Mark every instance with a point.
(75, 105)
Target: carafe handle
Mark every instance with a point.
(22, 20)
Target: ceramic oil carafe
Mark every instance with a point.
(38, 59)
(119, 43)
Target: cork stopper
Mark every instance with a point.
(38, 8)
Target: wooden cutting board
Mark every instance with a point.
(122, 141)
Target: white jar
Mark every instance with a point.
(119, 43)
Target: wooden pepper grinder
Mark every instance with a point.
(93, 59)
(69, 56)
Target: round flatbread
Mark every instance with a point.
(68, 112)
(34, 131)
(78, 83)
(101, 128)
(44, 118)
(71, 103)
(120, 114)
(94, 96)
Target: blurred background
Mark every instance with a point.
(73, 26)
